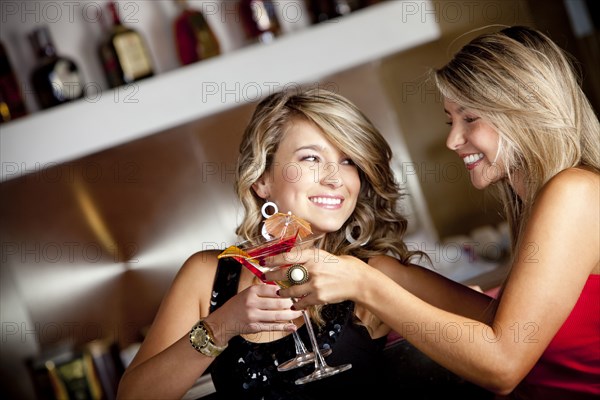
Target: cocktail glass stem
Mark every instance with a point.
(300, 347)
(319, 360)
(322, 370)
(303, 356)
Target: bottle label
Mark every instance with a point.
(132, 56)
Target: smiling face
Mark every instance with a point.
(311, 178)
(476, 142)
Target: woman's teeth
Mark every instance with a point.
(326, 200)
(472, 158)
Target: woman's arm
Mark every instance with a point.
(432, 288)
(558, 251)
(437, 290)
(166, 365)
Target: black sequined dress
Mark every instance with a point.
(247, 370)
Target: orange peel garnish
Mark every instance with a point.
(280, 225)
(233, 251)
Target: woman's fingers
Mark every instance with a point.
(303, 303)
(263, 290)
(296, 255)
(265, 305)
(277, 275)
(295, 292)
(267, 329)
(284, 315)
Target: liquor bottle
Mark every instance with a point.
(367, 3)
(55, 79)
(194, 39)
(259, 20)
(124, 55)
(66, 372)
(12, 105)
(323, 10)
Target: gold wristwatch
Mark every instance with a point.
(201, 338)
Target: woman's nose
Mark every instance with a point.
(455, 139)
(331, 176)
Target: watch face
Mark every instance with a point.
(201, 340)
(199, 337)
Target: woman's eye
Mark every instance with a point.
(471, 119)
(348, 161)
(310, 158)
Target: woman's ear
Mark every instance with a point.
(261, 187)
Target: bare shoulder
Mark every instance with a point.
(187, 299)
(197, 276)
(565, 219)
(199, 265)
(576, 187)
(575, 179)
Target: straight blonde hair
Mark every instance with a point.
(524, 85)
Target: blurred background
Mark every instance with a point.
(118, 140)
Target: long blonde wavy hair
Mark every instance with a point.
(525, 86)
(376, 223)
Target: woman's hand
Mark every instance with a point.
(331, 279)
(255, 309)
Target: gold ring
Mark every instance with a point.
(297, 274)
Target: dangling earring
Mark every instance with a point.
(349, 230)
(264, 213)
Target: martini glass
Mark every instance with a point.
(250, 257)
(253, 259)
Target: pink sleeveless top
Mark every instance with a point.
(570, 366)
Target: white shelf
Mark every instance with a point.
(87, 126)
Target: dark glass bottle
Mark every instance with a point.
(323, 10)
(194, 38)
(56, 79)
(259, 20)
(12, 105)
(124, 55)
